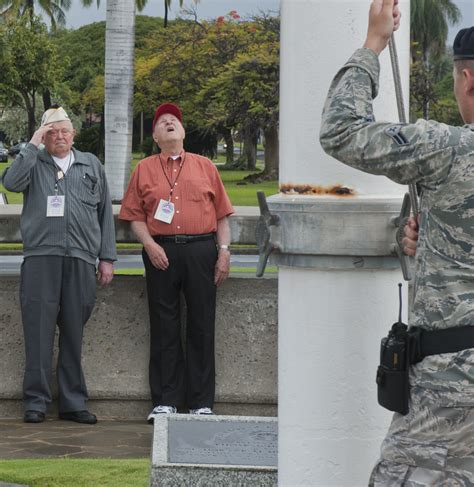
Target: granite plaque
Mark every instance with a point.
(223, 442)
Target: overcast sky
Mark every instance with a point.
(467, 11)
(77, 15)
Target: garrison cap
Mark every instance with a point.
(54, 114)
(463, 47)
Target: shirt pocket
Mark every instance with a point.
(89, 193)
(197, 190)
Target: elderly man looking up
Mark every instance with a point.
(178, 208)
(66, 225)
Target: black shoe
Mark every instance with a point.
(79, 417)
(31, 416)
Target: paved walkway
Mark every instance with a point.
(61, 439)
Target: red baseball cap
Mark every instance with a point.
(167, 108)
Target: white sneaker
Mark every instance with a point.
(202, 411)
(160, 410)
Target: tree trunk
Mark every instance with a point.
(31, 122)
(119, 70)
(30, 110)
(426, 102)
(46, 99)
(229, 142)
(250, 147)
(272, 155)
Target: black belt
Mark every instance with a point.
(182, 239)
(434, 342)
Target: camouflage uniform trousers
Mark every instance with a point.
(433, 445)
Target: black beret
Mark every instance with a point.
(463, 47)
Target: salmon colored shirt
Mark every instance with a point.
(199, 195)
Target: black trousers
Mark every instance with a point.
(182, 377)
(55, 291)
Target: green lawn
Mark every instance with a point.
(243, 194)
(76, 472)
(13, 198)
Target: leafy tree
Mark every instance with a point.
(82, 85)
(246, 89)
(29, 63)
(193, 63)
(429, 29)
(85, 50)
(422, 88)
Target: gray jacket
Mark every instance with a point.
(87, 229)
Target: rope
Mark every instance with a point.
(401, 112)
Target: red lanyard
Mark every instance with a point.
(172, 184)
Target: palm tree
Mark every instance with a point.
(167, 6)
(429, 30)
(54, 9)
(119, 61)
(429, 26)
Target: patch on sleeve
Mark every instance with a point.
(394, 131)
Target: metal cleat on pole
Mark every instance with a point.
(267, 233)
(400, 222)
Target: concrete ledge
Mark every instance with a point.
(116, 348)
(242, 225)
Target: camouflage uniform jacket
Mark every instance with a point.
(440, 158)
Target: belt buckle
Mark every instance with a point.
(180, 239)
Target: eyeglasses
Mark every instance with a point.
(55, 133)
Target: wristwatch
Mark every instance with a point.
(224, 247)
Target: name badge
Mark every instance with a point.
(165, 211)
(56, 205)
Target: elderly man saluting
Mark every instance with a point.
(178, 208)
(66, 224)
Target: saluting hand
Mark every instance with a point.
(38, 136)
(221, 272)
(157, 255)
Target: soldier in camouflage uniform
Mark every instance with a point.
(433, 445)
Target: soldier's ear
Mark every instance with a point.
(468, 80)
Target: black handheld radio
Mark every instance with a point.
(392, 373)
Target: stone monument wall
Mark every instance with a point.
(116, 343)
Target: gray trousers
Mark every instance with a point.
(55, 290)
